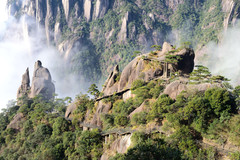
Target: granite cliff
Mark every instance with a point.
(90, 34)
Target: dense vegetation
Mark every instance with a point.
(184, 124)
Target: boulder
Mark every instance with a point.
(141, 108)
(70, 109)
(175, 88)
(42, 82)
(17, 121)
(102, 108)
(166, 48)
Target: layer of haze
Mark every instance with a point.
(224, 58)
(19, 51)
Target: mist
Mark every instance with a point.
(224, 58)
(22, 43)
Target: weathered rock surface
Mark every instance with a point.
(70, 109)
(148, 67)
(17, 121)
(101, 8)
(102, 108)
(175, 88)
(124, 30)
(229, 8)
(138, 110)
(120, 145)
(25, 85)
(87, 9)
(111, 81)
(42, 82)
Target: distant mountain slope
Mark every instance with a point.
(94, 35)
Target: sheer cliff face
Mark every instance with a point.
(231, 10)
(95, 35)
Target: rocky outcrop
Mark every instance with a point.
(17, 121)
(101, 8)
(120, 145)
(66, 4)
(42, 82)
(102, 108)
(174, 3)
(141, 108)
(228, 7)
(175, 88)
(151, 66)
(88, 9)
(111, 81)
(70, 109)
(23, 90)
(124, 30)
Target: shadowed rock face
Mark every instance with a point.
(25, 85)
(42, 82)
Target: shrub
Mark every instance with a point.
(137, 83)
(161, 106)
(121, 120)
(61, 125)
(139, 118)
(220, 100)
(108, 120)
(138, 137)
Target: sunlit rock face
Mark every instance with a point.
(41, 83)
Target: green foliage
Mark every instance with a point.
(160, 107)
(200, 74)
(149, 150)
(61, 125)
(136, 53)
(172, 59)
(220, 100)
(138, 137)
(198, 112)
(139, 118)
(93, 90)
(235, 156)
(121, 120)
(155, 91)
(108, 120)
(124, 108)
(157, 47)
(83, 103)
(137, 84)
(42, 131)
(184, 139)
(90, 144)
